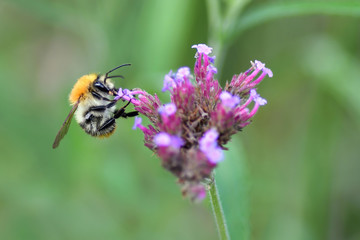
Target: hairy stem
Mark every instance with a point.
(218, 211)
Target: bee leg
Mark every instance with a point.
(111, 104)
(118, 113)
(131, 114)
(121, 113)
(106, 124)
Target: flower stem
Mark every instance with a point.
(218, 211)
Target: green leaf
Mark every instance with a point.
(334, 70)
(279, 10)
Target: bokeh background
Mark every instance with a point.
(294, 173)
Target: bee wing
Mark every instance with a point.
(65, 126)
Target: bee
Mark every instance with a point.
(93, 109)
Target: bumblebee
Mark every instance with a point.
(93, 107)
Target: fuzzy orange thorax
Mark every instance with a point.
(81, 87)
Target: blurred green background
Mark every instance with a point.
(294, 173)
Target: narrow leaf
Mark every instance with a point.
(279, 10)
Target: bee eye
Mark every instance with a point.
(101, 87)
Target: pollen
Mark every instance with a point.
(81, 87)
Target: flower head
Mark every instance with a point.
(189, 134)
(202, 48)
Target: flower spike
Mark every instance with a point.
(189, 134)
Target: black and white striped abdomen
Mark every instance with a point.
(95, 122)
(93, 125)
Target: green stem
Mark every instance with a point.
(218, 211)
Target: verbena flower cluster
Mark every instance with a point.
(189, 133)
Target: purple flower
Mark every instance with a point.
(124, 94)
(163, 139)
(261, 66)
(208, 140)
(212, 59)
(215, 155)
(183, 73)
(120, 94)
(212, 69)
(268, 72)
(167, 109)
(202, 48)
(208, 145)
(169, 82)
(189, 134)
(137, 122)
(256, 97)
(228, 100)
(128, 93)
(176, 142)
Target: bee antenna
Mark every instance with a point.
(119, 76)
(106, 75)
(123, 65)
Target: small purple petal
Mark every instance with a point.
(224, 96)
(127, 92)
(137, 122)
(215, 155)
(208, 140)
(162, 139)
(176, 142)
(256, 97)
(229, 100)
(168, 82)
(202, 48)
(119, 94)
(124, 93)
(261, 101)
(211, 134)
(212, 69)
(259, 65)
(183, 72)
(167, 109)
(268, 72)
(208, 145)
